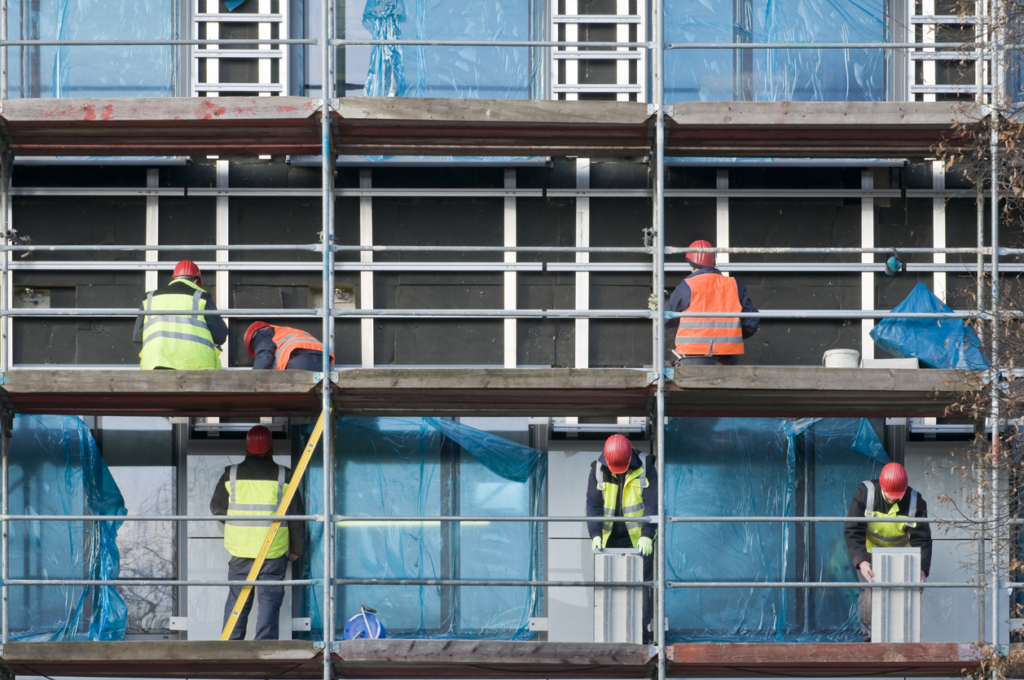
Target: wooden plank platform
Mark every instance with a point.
(775, 391)
(473, 127)
(428, 659)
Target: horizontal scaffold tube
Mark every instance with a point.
(824, 584)
(478, 582)
(15, 582)
(316, 247)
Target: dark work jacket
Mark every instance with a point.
(856, 533)
(218, 329)
(680, 302)
(595, 499)
(265, 349)
(262, 467)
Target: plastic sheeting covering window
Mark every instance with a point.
(764, 467)
(936, 343)
(427, 467)
(92, 71)
(775, 75)
(56, 469)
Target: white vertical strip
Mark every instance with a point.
(366, 278)
(572, 34)
(511, 300)
(152, 225)
(641, 35)
(722, 215)
(212, 33)
(583, 278)
(8, 282)
(939, 228)
(264, 34)
(867, 279)
(622, 35)
(928, 36)
(223, 300)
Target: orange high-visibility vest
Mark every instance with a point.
(700, 337)
(290, 339)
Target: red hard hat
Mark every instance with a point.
(251, 331)
(259, 441)
(701, 259)
(617, 453)
(188, 268)
(893, 480)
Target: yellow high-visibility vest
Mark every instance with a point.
(244, 538)
(632, 499)
(888, 534)
(178, 342)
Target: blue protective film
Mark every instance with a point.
(92, 71)
(56, 469)
(763, 467)
(775, 75)
(424, 467)
(936, 343)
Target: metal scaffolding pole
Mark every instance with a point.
(994, 308)
(979, 79)
(658, 365)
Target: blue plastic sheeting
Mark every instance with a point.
(56, 469)
(429, 467)
(764, 467)
(775, 75)
(936, 343)
(87, 71)
(449, 72)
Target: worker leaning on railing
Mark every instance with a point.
(885, 497)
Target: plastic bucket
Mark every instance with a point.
(841, 358)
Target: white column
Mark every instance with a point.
(212, 33)
(152, 226)
(622, 35)
(939, 228)
(511, 301)
(867, 279)
(583, 278)
(223, 300)
(264, 34)
(928, 36)
(722, 215)
(366, 278)
(572, 34)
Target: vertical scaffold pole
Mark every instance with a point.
(6, 425)
(3, 51)
(328, 164)
(994, 302)
(658, 89)
(979, 97)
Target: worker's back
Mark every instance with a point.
(711, 292)
(177, 341)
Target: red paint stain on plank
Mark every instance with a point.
(213, 110)
(108, 113)
(90, 112)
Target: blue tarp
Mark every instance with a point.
(763, 467)
(427, 467)
(56, 469)
(936, 343)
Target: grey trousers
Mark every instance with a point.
(864, 608)
(269, 597)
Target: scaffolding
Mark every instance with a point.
(987, 53)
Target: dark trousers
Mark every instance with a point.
(620, 542)
(864, 608)
(306, 360)
(270, 598)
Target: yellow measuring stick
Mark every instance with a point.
(282, 509)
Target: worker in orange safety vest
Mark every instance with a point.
(281, 348)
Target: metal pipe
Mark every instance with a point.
(17, 582)
(815, 46)
(487, 518)
(979, 79)
(149, 518)
(6, 423)
(994, 375)
(157, 43)
(479, 582)
(318, 247)
(812, 584)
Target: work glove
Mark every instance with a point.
(652, 302)
(645, 546)
(596, 543)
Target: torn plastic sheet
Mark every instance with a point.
(386, 75)
(936, 343)
(764, 467)
(92, 71)
(56, 469)
(427, 467)
(775, 75)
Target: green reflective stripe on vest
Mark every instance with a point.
(632, 499)
(244, 538)
(887, 534)
(174, 340)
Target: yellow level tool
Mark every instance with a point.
(282, 509)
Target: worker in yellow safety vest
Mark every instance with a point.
(624, 483)
(888, 496)
(255, 487)
(175, 340)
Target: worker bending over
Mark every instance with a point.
(887, 496)
(624, 483)
(283, 348)
(255, 487)
(708, 290)
(180, 341)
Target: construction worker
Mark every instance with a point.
(708, 290)
(283, 348)
(255, 487)
(887, 496)
(624, 483)
(175, 341)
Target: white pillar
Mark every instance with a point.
(152, 226)
(366, 278)
(223, 300)
(583, 278)
(939, 228)
(867, 279)
(511, 300)
(722, 215)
